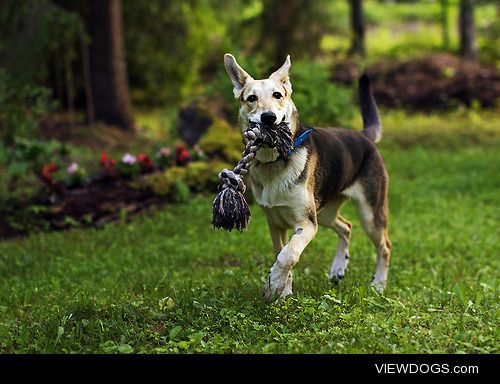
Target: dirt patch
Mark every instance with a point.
(102, 201)
(426, 84)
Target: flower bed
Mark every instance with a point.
(73, 196)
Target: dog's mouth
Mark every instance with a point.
(277, 136)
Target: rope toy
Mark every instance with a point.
(230, 209)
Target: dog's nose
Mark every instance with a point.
(268, 118)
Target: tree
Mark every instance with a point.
(358, 28)
(468, 49)
(292, 27)
(445, 24)
(108, 68)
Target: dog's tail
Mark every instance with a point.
(372, 127)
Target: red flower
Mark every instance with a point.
(47, 171)
(181, 155)
(106, 162)
(145, 162)
(104, 159)
(52, 167)
(46, 175)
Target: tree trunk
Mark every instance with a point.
(107, 65)
(277, 34)
(445, 24)
(468, 49)
(358, 28)
(87, 85)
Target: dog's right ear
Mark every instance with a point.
(237, 74)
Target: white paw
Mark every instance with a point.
(379, 283)
(278, 284)
(338, 268)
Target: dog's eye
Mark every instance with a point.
(252, 98)
(277, 95)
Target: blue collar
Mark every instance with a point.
(299, 140)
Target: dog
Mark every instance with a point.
(309, 187)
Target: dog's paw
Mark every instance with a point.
(379, 286)
(379, 282)
(278, 284)
(338, 268)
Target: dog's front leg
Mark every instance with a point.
(279, 281)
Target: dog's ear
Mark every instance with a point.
(237, 74)
(282, 75)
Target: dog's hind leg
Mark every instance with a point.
(374, 217)
(279, 281)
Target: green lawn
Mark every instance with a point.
(169, 283)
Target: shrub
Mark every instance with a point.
(318, 100)
(161, 183)
(223, 141)
(180, 191)
(22, 108)
(203, 175)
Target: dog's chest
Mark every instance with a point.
(278, 184)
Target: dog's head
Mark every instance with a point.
(267, 102)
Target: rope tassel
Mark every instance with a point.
(230, 209)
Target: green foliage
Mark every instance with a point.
(201, 176)
(197, 176)
(180, 191)
(163, 183)
(488, 36)
(320, 102)
(21, 107)
(222, 141)
(31, 32)
(30, 155)
(167, 68)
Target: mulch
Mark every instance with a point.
(100, 202)
(431, 83)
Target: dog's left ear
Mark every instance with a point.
(282, 75)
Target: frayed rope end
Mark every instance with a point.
(230, 210)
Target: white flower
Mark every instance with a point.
(72, 168)
(129, 159)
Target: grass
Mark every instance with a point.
(169, 283)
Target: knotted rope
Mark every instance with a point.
(230, 209)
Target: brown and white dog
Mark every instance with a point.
(310, 186)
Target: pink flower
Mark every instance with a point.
(73, 167)
(165, 151)
(129, 159)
